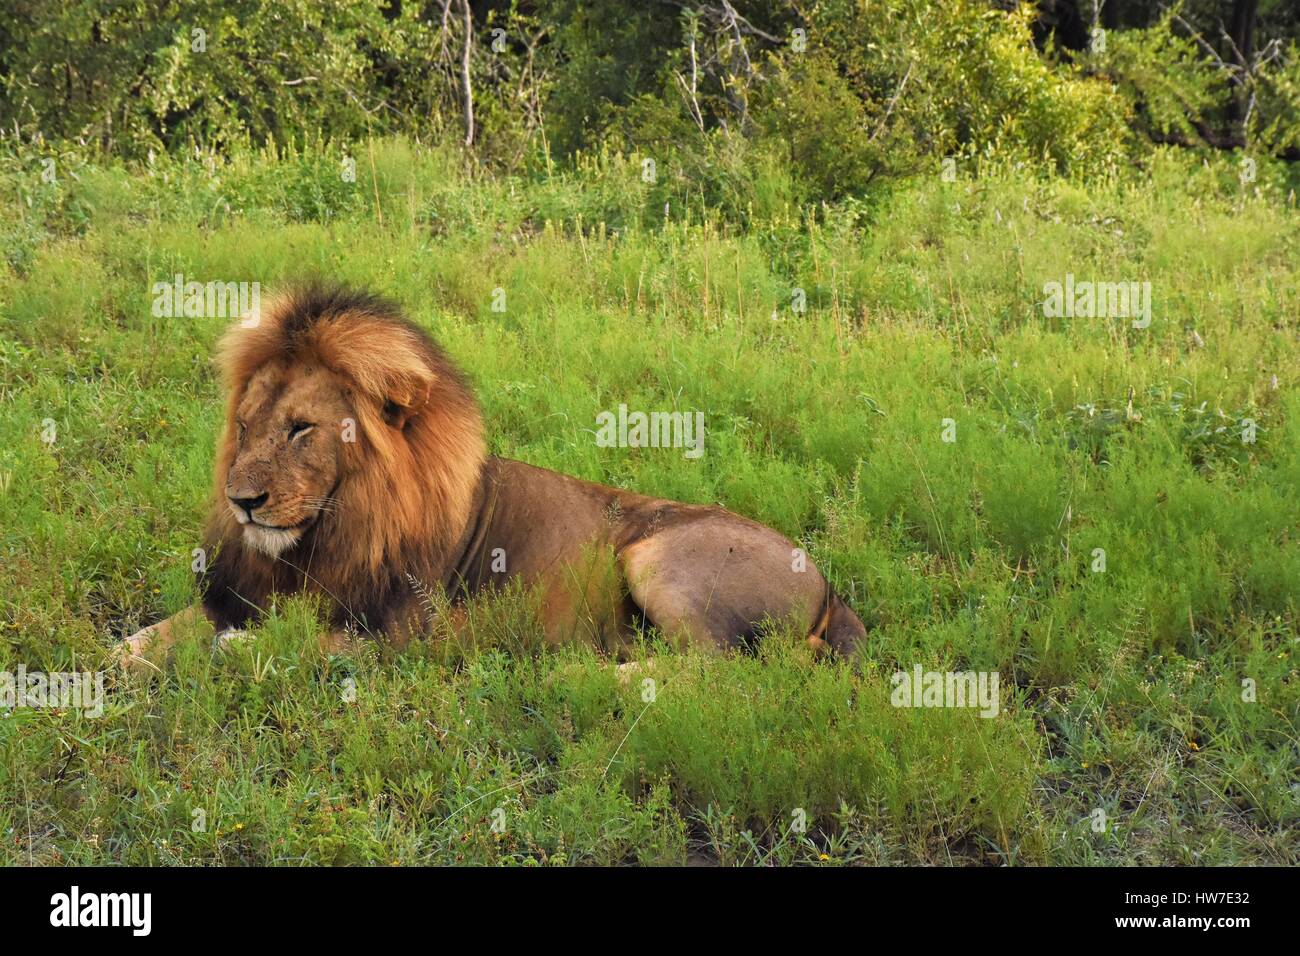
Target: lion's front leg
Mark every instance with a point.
(158, 637)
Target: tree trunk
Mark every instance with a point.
(1241, 52)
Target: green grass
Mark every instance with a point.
(1121, 690)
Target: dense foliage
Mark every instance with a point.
(844, 91)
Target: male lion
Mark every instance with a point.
(353, 464)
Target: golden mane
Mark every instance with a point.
(405, 491)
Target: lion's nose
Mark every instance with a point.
(249, 504)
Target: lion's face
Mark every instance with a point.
(349, 435)
(289, 429)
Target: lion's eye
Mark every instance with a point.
(299, 428)
(242, 429)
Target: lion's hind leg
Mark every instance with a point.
(715, 578)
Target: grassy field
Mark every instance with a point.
(1125, 735)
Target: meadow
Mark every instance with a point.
(1105, 515)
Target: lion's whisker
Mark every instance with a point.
(324, 504)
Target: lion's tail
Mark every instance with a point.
(838, 628)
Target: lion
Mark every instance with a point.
(353, 466)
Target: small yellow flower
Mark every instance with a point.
(1085, 766)
(239, 826)
(823, 856)
(1193, 745)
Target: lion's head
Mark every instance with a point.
(351, 451)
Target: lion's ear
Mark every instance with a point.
(402, 406)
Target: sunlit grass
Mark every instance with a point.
(1122, 689)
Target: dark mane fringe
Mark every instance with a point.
(407, 483)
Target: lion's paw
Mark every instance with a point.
(130, 653)
(228, 638)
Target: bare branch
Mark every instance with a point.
(691, 91)
(893, 101)
(467, 88)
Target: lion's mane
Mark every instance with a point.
(407, 483)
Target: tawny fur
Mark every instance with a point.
(414, 497)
